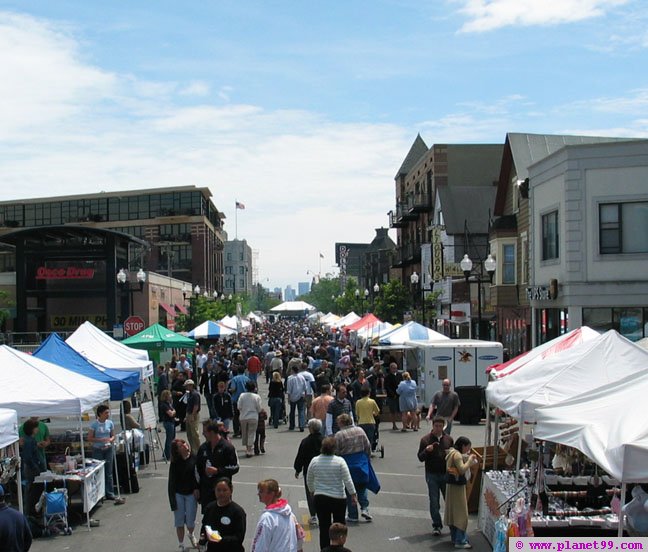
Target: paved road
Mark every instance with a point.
(401, 517)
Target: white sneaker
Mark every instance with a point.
(181, 548)
(365, 514)
(194, 542)
(313, 521)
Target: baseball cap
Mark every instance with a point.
(189, 382)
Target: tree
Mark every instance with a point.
(392, 302)
(5, 303)
(322, 293)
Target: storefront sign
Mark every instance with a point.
(73, 321)
(64, 273)
(538, 293)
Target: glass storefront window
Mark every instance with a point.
(630, 322)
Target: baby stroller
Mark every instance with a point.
(55, 511)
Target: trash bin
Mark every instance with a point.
(470, 411)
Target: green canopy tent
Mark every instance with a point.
(157, 337)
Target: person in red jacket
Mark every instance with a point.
(254, 367)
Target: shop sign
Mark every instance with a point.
(538, 293)
(64, 273)
(73, 321)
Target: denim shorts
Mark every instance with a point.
(185, 513)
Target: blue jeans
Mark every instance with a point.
(352, 509)
(275, 404)
(169, 429)
(302, 414)
(107, 455)
(436, 483)
(457, 536)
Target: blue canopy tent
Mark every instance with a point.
(122, 383)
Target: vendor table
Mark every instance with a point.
(498, 486)
(91, 479)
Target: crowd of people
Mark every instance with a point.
(315, 383)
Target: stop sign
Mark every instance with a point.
(133, 325)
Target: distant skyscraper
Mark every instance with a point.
(289, 293)
(303, 288)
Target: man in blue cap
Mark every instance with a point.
(15, 535)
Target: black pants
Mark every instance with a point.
(327, 508)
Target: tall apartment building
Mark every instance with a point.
(444, 200)
(237, 267)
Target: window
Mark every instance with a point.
(631, 322)
(550, 236)
(524, 253)
(508, 263)
(241, 269)
(623, 227)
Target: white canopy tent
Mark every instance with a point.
(255, 317)
(8, 437)
(345, 320)
(34, 387)
(233, 322)
(104, 351)
(643, 343)
(293, 306)
(543, 352)
(412, 331)
(606, 424)
(329, 319)
(617, 442)
(8, 427)
(584, 367)
(374, 330)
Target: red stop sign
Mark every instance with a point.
(133, 325)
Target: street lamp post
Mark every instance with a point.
(467, 265)
(376, 290)
(123, 279)
(414, 280)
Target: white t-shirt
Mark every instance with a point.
(310, 381)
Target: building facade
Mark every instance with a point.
(181, 224)
(444, 200)
(589, 240)
(511, 232)
(238, 269)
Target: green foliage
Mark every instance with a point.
(5, 303)
(322, 293)
(202, 309)
(262, 300)
(392, 302)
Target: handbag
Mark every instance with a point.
(453, 477)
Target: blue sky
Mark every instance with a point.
(301, 110)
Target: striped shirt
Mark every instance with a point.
(328, 475)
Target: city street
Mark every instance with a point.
(400, 510)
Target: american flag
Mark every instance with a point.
(240, 205)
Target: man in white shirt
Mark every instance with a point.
(296, 390)
(310, 385)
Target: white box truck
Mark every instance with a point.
(462, 361)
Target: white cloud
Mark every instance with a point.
(307, 181)
(195, 88)
(488, 15)
(44, 80)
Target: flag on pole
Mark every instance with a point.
(321, 256)
(240, 205)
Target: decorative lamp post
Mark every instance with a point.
(123, 280)
(467, 266)
(414, 280)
